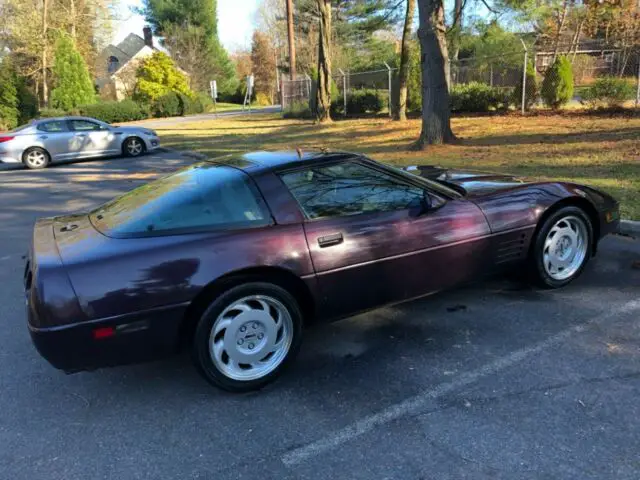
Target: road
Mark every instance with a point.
(496, 380)
(167, 122)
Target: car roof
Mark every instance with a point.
(280, 160)
(73, 117)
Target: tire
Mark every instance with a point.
(133, 147)
(562, 248)
(36, 158)
(241, 326)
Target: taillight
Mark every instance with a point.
(5, 139)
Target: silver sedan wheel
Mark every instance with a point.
(36, 158)
(565, 248)
(251, 337)
(134, 147)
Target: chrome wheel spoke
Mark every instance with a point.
(565, 248)
(251, 337)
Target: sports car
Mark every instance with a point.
(232, 257)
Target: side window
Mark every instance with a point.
(349, 189)
(84, 126)
(53, 126)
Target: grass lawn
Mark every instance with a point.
(601, 151)
(226, 107)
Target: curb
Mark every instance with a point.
(630, 227)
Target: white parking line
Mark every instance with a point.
(418, 403)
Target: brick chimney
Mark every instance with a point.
(148, 36)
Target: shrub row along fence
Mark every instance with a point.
(522, 80)
(169, 105)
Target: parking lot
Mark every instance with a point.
(494, 380)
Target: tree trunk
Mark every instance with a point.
(292, 41)
(401, 112)
(73, 19)
(323, 97)
(45, 89)
(561, 23)
(436, 111)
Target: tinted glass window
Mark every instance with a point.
(349, 189)
(84, 125)
(53, 126)
(198, 197)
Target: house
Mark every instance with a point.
(116, 65)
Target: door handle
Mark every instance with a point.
(81, 134)
(330, 240)
(117, 133)
(43, 137)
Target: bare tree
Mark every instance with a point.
(436, 111)
(401, 111)
(323, 97)
(292, 40)
(45, 28)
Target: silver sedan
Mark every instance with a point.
(68, 138)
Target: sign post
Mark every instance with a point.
(249, 94)
(214, 95)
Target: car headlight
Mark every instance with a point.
(150, 133)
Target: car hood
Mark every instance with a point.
(137, 130)
(473, 183)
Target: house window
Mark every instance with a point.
(546, 61)
(113, 64)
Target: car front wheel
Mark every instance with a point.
(133, 147)
(562, 248)
(247, 336)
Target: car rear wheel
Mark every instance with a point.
(133, 147)
(562, 247)
(247, 336)
(36, 158)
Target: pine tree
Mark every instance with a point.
(557, 87)
(71, 79)
(8, 96)
(264, 67)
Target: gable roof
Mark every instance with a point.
(131, 45)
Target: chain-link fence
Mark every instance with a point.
(520, 80)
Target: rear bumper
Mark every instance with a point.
(109, 342)
(7, 158)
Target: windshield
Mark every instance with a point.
(200, 197)
(448, 190)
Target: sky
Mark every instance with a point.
(236, 20)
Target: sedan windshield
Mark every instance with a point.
(200, 197)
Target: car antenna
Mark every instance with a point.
(299, 152)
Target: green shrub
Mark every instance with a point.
(9, 101)
(168, 105)
(189, 105)
(51, 112)
(27, 102)
(115, 112)
(298, 109)
(612, 92)
(475, 97)
(366, 101)
(531, 89)
(557, 87)
(206, 101)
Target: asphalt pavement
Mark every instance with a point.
(495, 380)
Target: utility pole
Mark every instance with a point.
(292, 41)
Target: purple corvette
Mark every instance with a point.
(232, 257)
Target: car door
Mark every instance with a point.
(373, 242)
(55, 137)
(91, 138)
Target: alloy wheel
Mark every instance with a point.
(251, 337)
(134, 147)
(565, 248)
